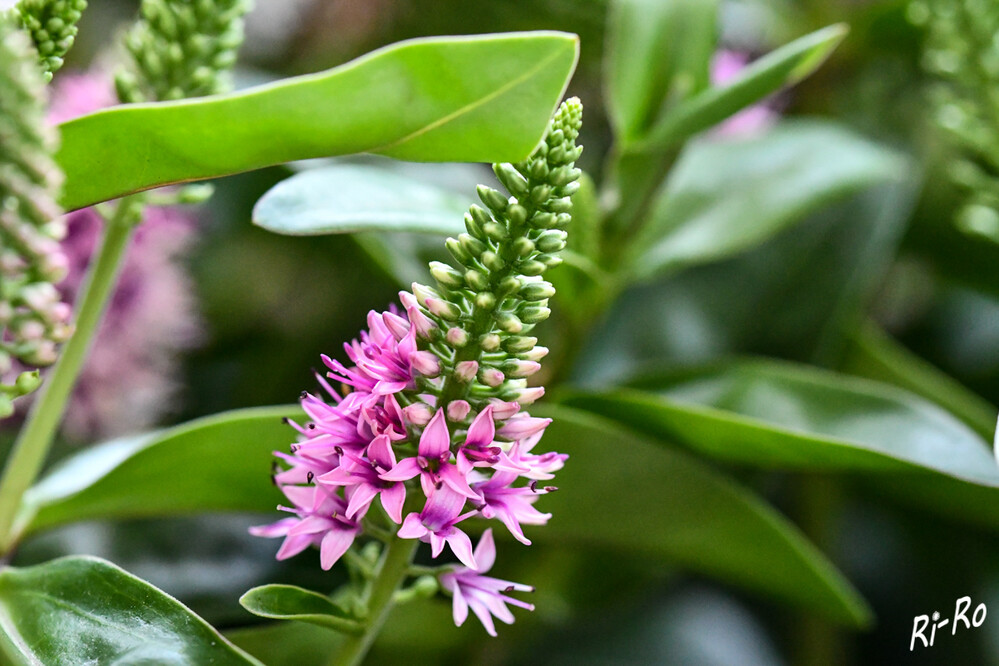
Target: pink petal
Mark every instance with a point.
(482, 431)
(485, 551)
(412, 527)
(334, 545)
(461, 546)
(404, 471)
(455, 480)
(392, 500)
(435, 440)
(459, 608)
(361, 498)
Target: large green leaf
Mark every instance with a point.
(813, 281)
(726, 196)
(83, 610)
(785, 416)
(219, 463)
(658, 55)
(785, 66)
(621, 490)
(477, 99)
(876, 355)
(346, 198)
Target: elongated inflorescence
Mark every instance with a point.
(33, 319)
(52, 26)
(182, 48)
(962, 50)
(431, 426)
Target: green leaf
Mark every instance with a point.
(219, 463)
(83, 610)
(786, 416)
(288, 602)
(480, 98)
(346, 198)
(726, 196)
(785, 66)
(621, 490)
(658, 54)
(876, 355)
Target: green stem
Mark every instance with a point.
(35, 440)
(392, 572)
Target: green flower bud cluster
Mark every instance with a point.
(962, 50)
(52, 25)
(33, 320)
(182, 48)
(486, 304)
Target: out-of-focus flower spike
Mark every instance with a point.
(52, 26)
(33, 320)
(182, 49)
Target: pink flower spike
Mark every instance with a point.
(483, 594)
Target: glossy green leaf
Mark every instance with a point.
(658, 55)
(785, 66)
(786, 416)
(288, 602)
(814, 281)
(726, 196)
(347, 198)
(478, 99)
(219, 463)
(83, 610)
(621, 490)
(876, 355)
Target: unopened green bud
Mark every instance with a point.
(493, 200)
(508, 286)
(476, 279)
(471, 245)
(560, 205)
(511, 179)
(537, 291)
(517, 214)
(550, 260)
(446, 275)
(457, 251)
(520, 344)
(551, 241)
(480, 215)
(495, 231)
(543, 221)
(490, 342)
(539, 169)
(541, 194)
(509, 322)
(532, 267)
(532, 314)
(523, 246)
(485, 300)
(492, 261)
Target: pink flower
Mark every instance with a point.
(436, 525)
(483, 594)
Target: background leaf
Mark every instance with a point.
(785, 66)
(725, 196)
(621, 490)
(347, 198)
(658, 56)
(219, 463)
(82, 610)
(478, 99)
(784, 416)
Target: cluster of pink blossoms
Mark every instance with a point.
(387, 431)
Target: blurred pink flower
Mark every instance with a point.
(756, 119)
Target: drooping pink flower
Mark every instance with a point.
(486, 596)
